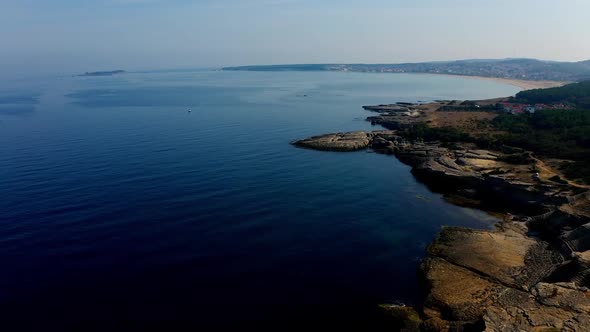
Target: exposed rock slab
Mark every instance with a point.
(508, 257)
(398, 120)
(456, 294)
(386, 108)
(351, 141)
(495, 277)
(519, 311)
(564, 295)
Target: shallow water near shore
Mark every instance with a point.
(122, 210)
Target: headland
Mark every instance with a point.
(532, 272)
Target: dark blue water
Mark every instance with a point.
(120, 210)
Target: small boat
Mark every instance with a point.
(189, 110)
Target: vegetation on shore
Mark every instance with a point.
(550, 133)
(576, 94)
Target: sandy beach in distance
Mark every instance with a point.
(523, 84)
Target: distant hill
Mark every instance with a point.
(524, 69)
(103, 73)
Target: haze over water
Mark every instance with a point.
(122, 210)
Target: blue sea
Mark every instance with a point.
(121, 210)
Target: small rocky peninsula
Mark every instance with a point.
(531, 273)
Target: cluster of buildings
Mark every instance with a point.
(517, 108)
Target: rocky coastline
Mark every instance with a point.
(531, 273)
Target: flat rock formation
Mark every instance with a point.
(402, 115)
(388, 108)
(495, 280)
(352, 141)
(398, 120)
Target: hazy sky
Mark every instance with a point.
(79, 35)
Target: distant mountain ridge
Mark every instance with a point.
(523, 69)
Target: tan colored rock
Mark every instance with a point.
(519, 311)
(460, 297)
(352, 141)
(563, 295)
(509, 257)
(456, 294)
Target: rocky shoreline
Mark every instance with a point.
(529, 274)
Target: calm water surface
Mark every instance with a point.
(120, 210)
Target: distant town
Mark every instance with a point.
(521, 69)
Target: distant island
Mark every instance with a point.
(103, 73)
(520, 69)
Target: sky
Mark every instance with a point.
(70, 36)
